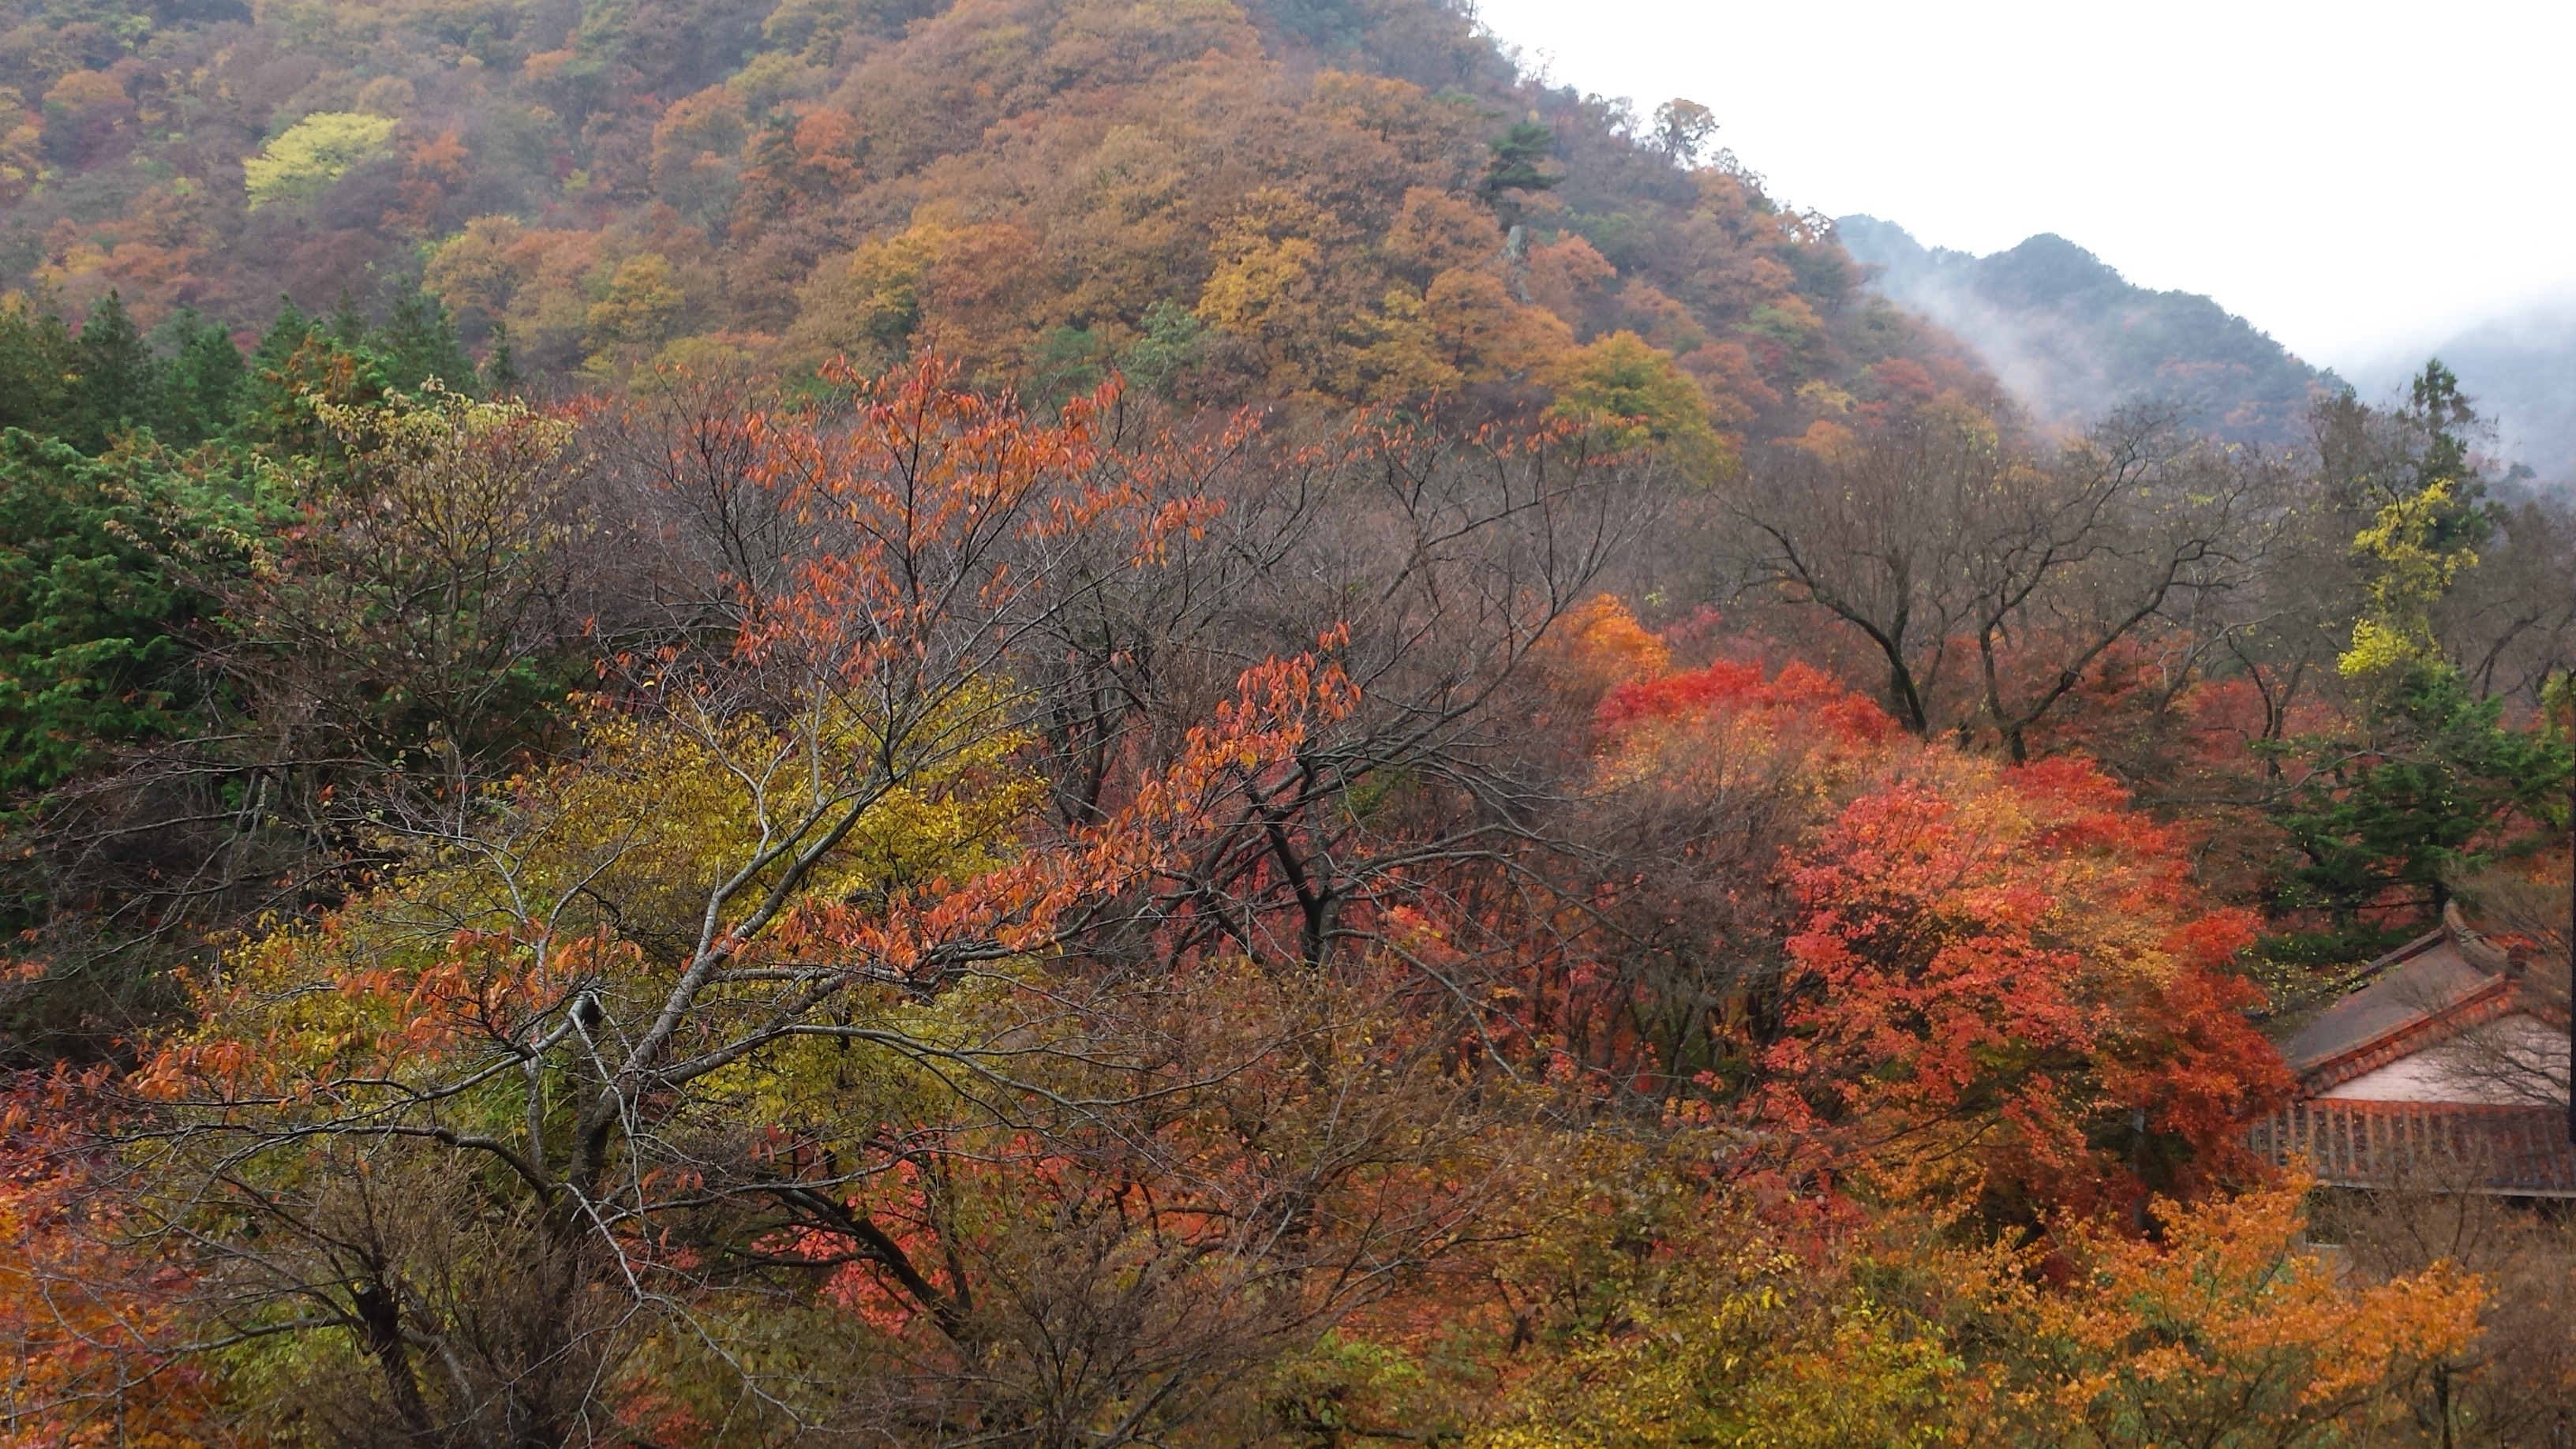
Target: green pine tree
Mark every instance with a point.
(348, 325)
(87, 616)
(206, 382)
(299, 360)
(2443, 787)
(35, 369)
(501, 368)
(2441, 414)
(285, 334)
(418, 342)
(1169, 345)
(116, 383)
(269, 393)
(1514, 167)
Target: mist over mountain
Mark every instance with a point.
(2521, 371)
(2072, 338)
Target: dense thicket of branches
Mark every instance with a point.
(1057, 724)
(887, 916)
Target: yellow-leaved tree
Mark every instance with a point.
(1637, 396)
(304, 159)
(1655, 1313)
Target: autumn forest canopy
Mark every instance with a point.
(1083, 723)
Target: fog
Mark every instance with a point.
(2521, 369)
(2355, 179)
(2073, 339)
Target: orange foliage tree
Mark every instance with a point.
(2002, 985)
(2227, 1329)
(1645, 966)
(92, 1330)
(1939, 973)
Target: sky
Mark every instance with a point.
(2360, 179)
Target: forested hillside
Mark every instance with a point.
(1301, 200)
(2072, 338)
(1070, 725)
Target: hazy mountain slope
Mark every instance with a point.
(2072, 338)
(2522, 373)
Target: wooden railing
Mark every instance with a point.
(2507, 1151)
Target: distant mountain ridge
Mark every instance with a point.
(2073, 338)
(2521, 372)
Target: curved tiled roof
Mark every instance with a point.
(2430, 989)
(2412, 991)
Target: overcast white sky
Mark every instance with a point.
(2355, 177)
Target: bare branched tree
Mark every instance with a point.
(1938, 536)
(2516, 1386)
(2521, 930)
